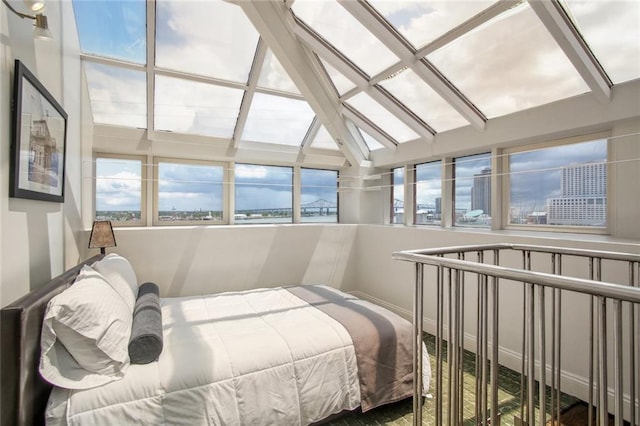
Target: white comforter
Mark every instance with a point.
(247, 358)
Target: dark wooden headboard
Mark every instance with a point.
(24, 393)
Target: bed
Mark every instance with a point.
(285, 355)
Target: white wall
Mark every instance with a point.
(33, 233)
(207, 259)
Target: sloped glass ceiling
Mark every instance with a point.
(209, 72)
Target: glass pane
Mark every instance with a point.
(341, 83)
(397, 195)
(115, 29)
(382, 118)
(429, 193)
(118, 95)
(214, 39)
(562, 185)
(264, 194)
(346, 34)
(418, 96)
(186, 106)
(371, 142)
(422, 21)
(318, 195)
(472, 200)
(525, 69)
(324, 140)
(190, 192)
(612, 31)
(273, 76)
(119, 190)
(276, 119)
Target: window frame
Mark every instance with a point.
(156, 186)
(143, 187)
(506, 186)
(492, 177)
(297, 193)
(415, 193)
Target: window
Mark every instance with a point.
(119, 191)
(397, 195)
(472, 190)
(318, 195)
(263, 194)
(428, 193)
(189, 192)
(562, 185)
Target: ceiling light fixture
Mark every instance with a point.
(40, 26)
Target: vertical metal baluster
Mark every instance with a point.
(632, 349)
(417, 341)
(542, 392)
(461, 287)
(449, 347)
(553, 344)
(485, 347)
(591, 348)
(455, 348)
(559, 344)
(439, 337)
(494, 347)
(602, 350)
(618, 366)
(530, 348)
(524, 343)
(478, 369)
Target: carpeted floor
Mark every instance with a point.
(401, 413)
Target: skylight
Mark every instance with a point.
(276, 119)
(526, 68)
(196, 108)
(216, 41)
(118, 95)
(432, 66)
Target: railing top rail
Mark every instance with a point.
(601, 254)
(595, 288)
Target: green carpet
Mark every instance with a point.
(401, 413)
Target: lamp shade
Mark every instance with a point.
(102, 235)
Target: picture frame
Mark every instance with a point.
(38, 144)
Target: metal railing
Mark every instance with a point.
(612, 309)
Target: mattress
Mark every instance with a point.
(264, 356)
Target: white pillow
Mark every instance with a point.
(85, 334)
(120, 274)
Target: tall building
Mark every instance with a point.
(584, 196)
(481, 191)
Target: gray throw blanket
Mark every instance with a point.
(145, 344)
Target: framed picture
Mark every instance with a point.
(38, 143)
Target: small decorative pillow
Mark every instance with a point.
(145, 344)
(120, 274)
(85, 333)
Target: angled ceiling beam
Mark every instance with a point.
(371, 20)
(275, 24)
(330, 54)
(342, 64)
(151, 64)
(380, 135)
(254, 75)
(467, 26)
(557, 22)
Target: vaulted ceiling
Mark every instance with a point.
(349, 76)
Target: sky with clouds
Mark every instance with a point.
(524, 70)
